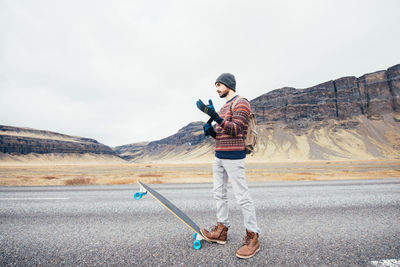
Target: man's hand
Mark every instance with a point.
(210, 104)
(203, 107)
(209, 130)
(209, 110)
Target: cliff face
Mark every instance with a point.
(347, 118)
(25, 140)
(372, 94)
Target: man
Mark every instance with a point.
(232, 121)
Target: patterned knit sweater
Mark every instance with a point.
(229, 142)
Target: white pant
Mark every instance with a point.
(234, 169)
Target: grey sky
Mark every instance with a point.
(129, 71)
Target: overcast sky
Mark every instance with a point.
(128, 71)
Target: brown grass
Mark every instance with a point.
(23, 177)
(49, 177)
(124, 181)
(150, 175)
(155, 182)
(78, 181)
(31, 175)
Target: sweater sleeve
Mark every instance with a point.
(240, 118)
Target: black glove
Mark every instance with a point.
(209, 110)
(209, 130)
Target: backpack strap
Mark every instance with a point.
(235, 102)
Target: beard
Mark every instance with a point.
(223, 95)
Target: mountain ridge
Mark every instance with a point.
(293, 122)
(341, 119)
(19, 140)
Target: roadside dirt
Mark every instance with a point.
(77, 174)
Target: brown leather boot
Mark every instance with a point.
(217, 234)
(250, 247)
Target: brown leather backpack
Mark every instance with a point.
(250, 140)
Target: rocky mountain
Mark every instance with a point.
(346, 118)
(372, 94)
(180, 145)
(20, 141)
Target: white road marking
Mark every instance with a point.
(386, 263)
(34, 198)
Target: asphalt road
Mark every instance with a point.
(335, 223)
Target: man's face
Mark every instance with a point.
(222, 90)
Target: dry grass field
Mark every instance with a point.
(85, 174)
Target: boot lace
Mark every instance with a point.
(214, 228)
(246, 240)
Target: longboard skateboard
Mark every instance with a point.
(144, 189)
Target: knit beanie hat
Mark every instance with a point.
(228, 80)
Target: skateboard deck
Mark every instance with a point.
(144, 189)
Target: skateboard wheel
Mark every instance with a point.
(195, 236)
(196, 244)
(137, 195)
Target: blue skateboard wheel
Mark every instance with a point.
(196, 244)
(195, 236)
(137, 195)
